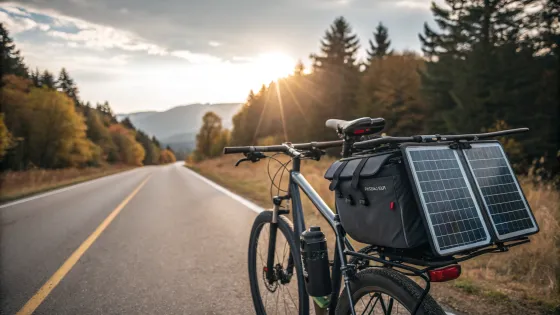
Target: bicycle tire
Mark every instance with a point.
(286, 228)
(390, 283)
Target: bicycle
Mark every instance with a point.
(387, 286)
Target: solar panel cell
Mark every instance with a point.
(447, 199)
(508, 209)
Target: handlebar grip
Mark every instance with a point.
(235, 150)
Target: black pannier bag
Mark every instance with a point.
(375, 201)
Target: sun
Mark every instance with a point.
(273, 66)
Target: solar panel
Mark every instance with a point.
(509, 212)
(451, 210)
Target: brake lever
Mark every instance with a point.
(251, 156)
(241, 161)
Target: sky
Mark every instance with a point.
(153, 55)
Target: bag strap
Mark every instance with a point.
(356, 180)
(336, 176)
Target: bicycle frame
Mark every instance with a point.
(340, 268)
(343, 248)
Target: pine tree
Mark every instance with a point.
(66, 84)
(338, 47)
(484, 69)
(338, 74)
(299, 70)
(11, 61)
(128, 124)
(47, 80)
(382, 43)
(36, 77)
(156, 142)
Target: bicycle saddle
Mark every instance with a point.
(360, 126)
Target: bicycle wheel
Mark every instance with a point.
(285, 293)
(384, 291)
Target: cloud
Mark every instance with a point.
(78, 33)
(195, 58)
(15, 11)
(413, 4)
(19, 23)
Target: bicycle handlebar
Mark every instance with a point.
(433, 138)
(284, 147)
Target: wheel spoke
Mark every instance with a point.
(374, 304)
(367, 306)
(284, 300)
(383, 305)
(291, 298)
(276, 309)
(284, 254)
(390, 306)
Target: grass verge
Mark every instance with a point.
(523, 281)
(15, 185)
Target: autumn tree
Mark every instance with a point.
(130, 152)
(208, 138)
(391, 88)
(100, 135)
(380, 48)
(5, 137)
(167, 157)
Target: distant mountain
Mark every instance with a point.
(178, 126)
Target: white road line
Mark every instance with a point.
(234, 196)
(57, 191)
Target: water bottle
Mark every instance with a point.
(315, 259)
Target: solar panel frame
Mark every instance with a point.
(486, 207)
(415, 182)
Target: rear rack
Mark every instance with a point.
(399, 261)
(397, 258)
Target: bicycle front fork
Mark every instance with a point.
(270, 268)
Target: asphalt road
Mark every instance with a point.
(177, 247)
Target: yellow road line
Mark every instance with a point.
(46, 289)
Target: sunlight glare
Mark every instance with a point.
(273, 66)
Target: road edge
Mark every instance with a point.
(59, 189)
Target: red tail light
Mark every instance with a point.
(359, 131)
(445, 274)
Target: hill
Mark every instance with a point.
(178, 126)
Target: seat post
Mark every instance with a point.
(346, 147)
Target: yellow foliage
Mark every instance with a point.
(166, 157)
(129, 151)
(5, 137)
(57, 131)
(210, 137)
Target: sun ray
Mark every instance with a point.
(300, 108)
(260, 119)
(279, 96)
(315, 97)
